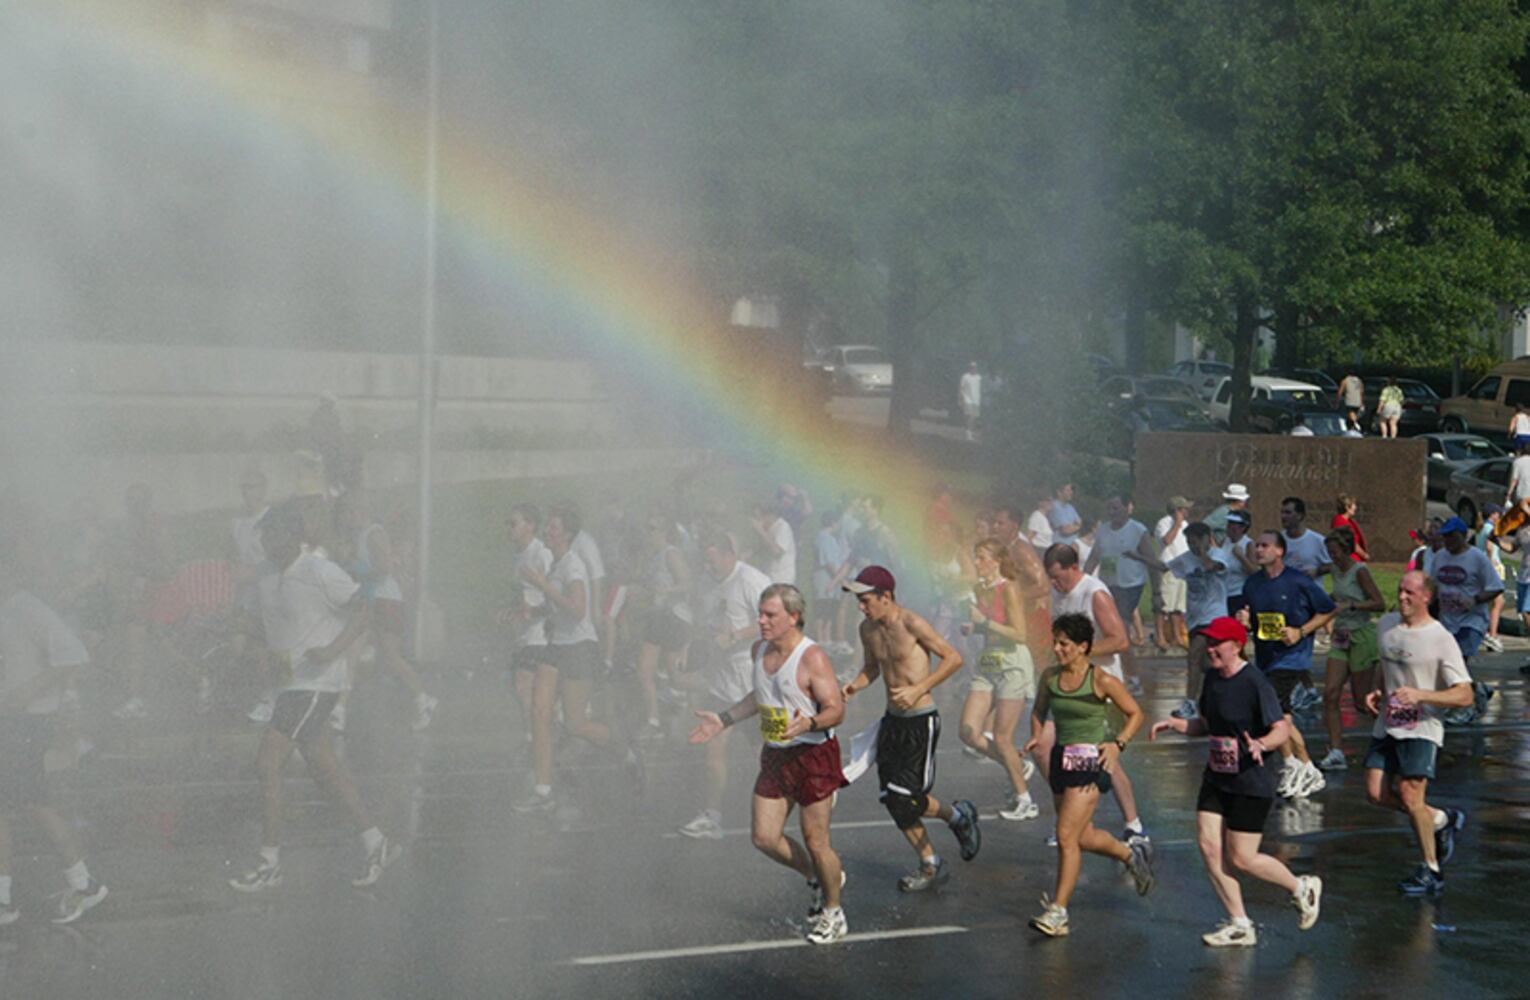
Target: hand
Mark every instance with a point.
(1407, 695)
(1178, 725)
(905, 697)
(800, 724)
(1109, 754)
(1244, 617)
(1291, 636)
(534, 576)
(1372, 702)
(1255, 750)
(1031, 745)
(709, 726)
(977, 616)
(847, 691)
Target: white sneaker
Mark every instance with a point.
(1027, 768)
(829, 927)
(1020, 809)
(133, 708)
(1493, 643)
(379, 858)
(1334, 760)
(1288, 775)
(1308, 780)
(424, 711)
(263, 710)
(1186, 710)
(1231, 935)
(706, 826)
(1308, 900)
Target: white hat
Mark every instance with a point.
(1235, 491)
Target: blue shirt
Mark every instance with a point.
(1063, 513)
(1289, 600)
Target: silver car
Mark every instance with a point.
(1450, 453)
(1479, 484)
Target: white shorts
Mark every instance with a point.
(1172, 591)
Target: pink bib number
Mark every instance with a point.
(1341, 638)
(1081, 757)
(1400, 716)
(1223, 757)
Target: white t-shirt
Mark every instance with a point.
(567, 628)
(1080, 601)
(1521, 424)
(782, 568)
(1236, 574)
(1205, 590)
(1306, 553)
(1038, 529)
(1113, 543)
(302, 607)
(34, 639)
(1424, 657)
(732, 604)
(1172, 550)
(585, 548)
(1519, 475)
(535, 556)
(970, 390)
(1458, 579)
(247, 547)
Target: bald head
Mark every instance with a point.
(1414, 592)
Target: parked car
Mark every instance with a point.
(1102, 366)
(1421, 407)
(1450, 453)
(1202, 376)
(1274, 403)
(1130, 387)
(1129, 416)
(1477, 485)
(1312, 376)
(1487, 406)
(859, 368)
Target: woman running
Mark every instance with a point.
(1241, 712)
(1005, 676)
(1353, 652)
(1074, 693)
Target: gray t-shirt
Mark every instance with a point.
(1425, 657)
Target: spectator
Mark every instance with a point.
(969, 394)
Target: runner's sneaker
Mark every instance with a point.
(1445, 836)
(829, 927)
(1334, 760)
(1423, 882)
(265, 875)
(1139, 838)
(1018, 808)
(972, 753)
(133, 708)
(1493, 643)
(706, 826)
(1141, 868)
(1027, 768)
(75, 902)
(1186, 710)
(924, 877)
(1053, 919)
(424, 711)
(1307, 900)
(263, 710)
(383, 855)
(1311, 781)
(1288, 776)
(817, 890)
(534, 801)
(964, 823)
(1052, 838)
(1230, 934)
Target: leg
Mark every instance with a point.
(648, 666)
(1359, 684)
(543, 696)
(1410, 793)
(1244, 855)
(1209, 831)
(1126, 798)
(65, 844)
(1042, 755)
(333, 776)
(524, 681)
(390, 648)
(576, 700)
(717, 772)
(1075, 808)
(974, 717)
(1333, 690)
(273, 753)
(1297, 745)
(1007, 715)
(767, 829)
(1494, 614)
(815, 833)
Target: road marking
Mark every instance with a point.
(742, 947)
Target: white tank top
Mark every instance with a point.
(779, 697)
(1080, 601)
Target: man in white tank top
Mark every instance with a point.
(798, 700)
(1073, 592)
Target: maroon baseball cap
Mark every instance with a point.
(872, 578)
(1225, 630)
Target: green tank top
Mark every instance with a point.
(1346, 587)
(1079, 715)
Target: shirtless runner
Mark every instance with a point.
(899, 646)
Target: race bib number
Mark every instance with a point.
(1271, 626)
(1223, 755)
(991, 662)
(1081, 757)
(773, 723)
(1341, 638)
(1400, 716)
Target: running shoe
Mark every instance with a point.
(383, 855)
(1052, 838)
(424, 711)
(1334, 760)
(9, 915)
(1231, 935)
(972, 754)
(263, 710)
(1053, 919)
(817, 890)
(1312, 780)
(534, 801)
(964, 823)
(828, 928)
(1445, 836)
(1186, 710)
(706, 826)
(1307, 900)
(1019, 808)
(265, 875)
(73, 904)
(1288, 776)
(1141, 868)
(133, 708)
(1492, 642)
(1135, 837)
(1027, 768)
(924, 877)
(1423, 882)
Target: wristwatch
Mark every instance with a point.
(1119, 745)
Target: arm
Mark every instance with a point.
(823, 687)
(356, 623)
(870, 669)
(1373, 599)
(1012, 631)
(713, 723)
(1295, 635)
(762, 529)
(1146, 554)
(1174, 528)
(934, 644)
(1455, 696)
(1112, 631)
(1109, 687)
(1185, 727)
(1249, 566)
(1039, 709)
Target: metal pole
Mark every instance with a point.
(427, 402)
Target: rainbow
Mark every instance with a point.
(521, 224)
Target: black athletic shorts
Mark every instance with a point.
(1287, 681)
(906, 753)
(302, 715)
(24, 741)
(1241, 813)
(1061, 780)
(666, 630)
(530, 657)
(577, 662)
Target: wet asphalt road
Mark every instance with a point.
(486, 902)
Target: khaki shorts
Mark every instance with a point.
(1172, 591)
(1007, 672)
(1360, 649)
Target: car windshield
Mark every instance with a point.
(1215, 368)
(1473, 448)
(865, 356)
(1308, 397)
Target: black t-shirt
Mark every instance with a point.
(1246, 702)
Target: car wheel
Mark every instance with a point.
(1467, 511)
(1453, 425)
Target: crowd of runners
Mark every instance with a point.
(1027, 619)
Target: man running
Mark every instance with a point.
(1286, 607)
(1306, 551)
(1204, 570)
(1422, 672)
(899, 646)
(1467, 585)
(799, 703)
